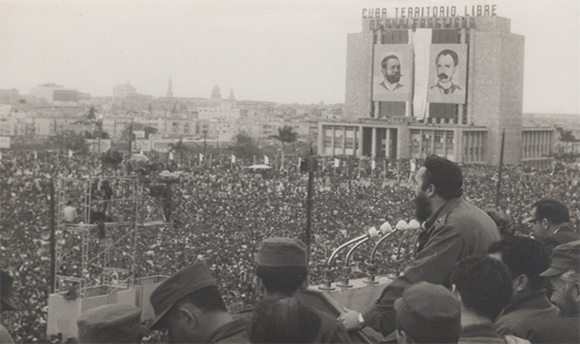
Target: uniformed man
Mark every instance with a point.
(115, 323)
(452, 230)
(529, 306)
(484, 287)
(281, 272)
(190, 306)
(564, 275)
(6, 304)
(428, 313)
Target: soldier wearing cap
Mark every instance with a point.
(6, 303)
(281, 272)
(564, 275)
(190, 306)
(115, 323)
(427, 313)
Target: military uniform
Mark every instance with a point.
(562, 234)
(522, 317)
(232, 332)
(114, 323)
(457, 230)
(558, 330)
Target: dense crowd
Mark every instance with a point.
(222, 211)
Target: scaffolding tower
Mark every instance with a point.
(98, 245)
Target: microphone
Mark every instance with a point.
(387, 231)
(386, 228)
(372, 233)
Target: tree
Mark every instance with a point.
(149, 130)
(91, 115)
(125, 133)
(70, 140)
(567, 136)
(286, 134)
(244, 146)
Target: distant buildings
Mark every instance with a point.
(51, 93)
(123, 91)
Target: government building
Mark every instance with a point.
(439, 82)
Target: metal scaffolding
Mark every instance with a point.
(102, 237)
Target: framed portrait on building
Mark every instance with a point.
(392, 72)
(447, 73)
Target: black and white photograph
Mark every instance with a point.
(289, 171)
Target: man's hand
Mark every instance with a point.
(350, 320)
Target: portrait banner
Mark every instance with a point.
(393, 72)
(447, 73)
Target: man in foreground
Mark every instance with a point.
(452, 230)
(564, 275)
(526, 258)
(190, 306)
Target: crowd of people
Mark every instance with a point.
(221, 212)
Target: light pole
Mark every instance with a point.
(204, 144)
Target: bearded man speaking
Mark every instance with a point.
(452, 230)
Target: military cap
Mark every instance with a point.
(186, 281)
(281, 252)
(429, 312)
(6, 291)
(116, 323)
(565, 257)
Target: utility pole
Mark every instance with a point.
(52, 238)
(311, 167)
(204, 144)
(130, 146)
(498, 192)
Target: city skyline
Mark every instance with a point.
(285, 52)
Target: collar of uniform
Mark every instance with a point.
(537, 300)
(443, 210)
(479, 330)
(562, 227)
(235, 327)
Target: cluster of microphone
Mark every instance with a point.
(383, 233)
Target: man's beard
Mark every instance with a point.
(422, 207)
(393, 79)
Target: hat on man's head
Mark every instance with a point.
(565, 257)
(6, 291)
(281, 252)
(186, 281)
(116, 323)
(429, 313)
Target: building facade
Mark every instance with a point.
(439, 84)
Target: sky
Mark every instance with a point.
(287, 51)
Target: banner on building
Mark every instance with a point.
(139, 134)
(154, 137)
(5, 142)
(447, 73)
(160, 146)
(392, 72)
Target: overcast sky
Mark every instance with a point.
(270, 50)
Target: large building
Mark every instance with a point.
(55, 94)
(432, 80)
